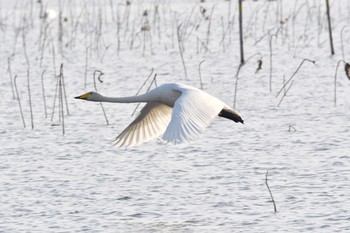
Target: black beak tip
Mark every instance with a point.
(77, 97)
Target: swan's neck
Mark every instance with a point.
(129, 99)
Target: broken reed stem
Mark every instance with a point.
(9, 70)
(285, 84)
(236, 84)
(200, 74)
(285, 93)
(118, 31)
(100, 80)
(180, 49)
(54, 100)
(228, 20)
(291, 127)
(223, 34)
(335, 82)
(143, 84)
(43, 90)
(60, 101)
(236, 75)
(330, 27)
(42, 50)
(259, 66)
(53, 59)
(270, 80)
(25, 48)
(240, 9)
(19, 102)
(64, 88)
(60, 29)
(272, 199)
(209, 25)
(154, 80)
(86, 63)
(30, 101)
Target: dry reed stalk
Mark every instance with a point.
(25, 48)
(284, 85)
(86, 64)
(60, 102)
(64, 87)
(237, 73)
(118, 31)
(143, 84)
(19, 102)
(100, 80)
(241, 31)
(60, 29)
(270, 79)
(291, 127)
(186, 24)
(154, 81)
(200, 74)
(266, 14)
(181, 49)
(17, 32)
(330, 27)
(126, 17)
(285, 93)
(112, 10)
(42, 50)
(209, 25)
(228, 20)
(43, 90)
(53, 58)
(54, 99)
(10, 72)
(156, 22)
(223, 34)
(268, 188)
(98, 31)
(30, 101)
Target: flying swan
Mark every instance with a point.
(179, 111)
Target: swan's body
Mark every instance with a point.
(179, 111)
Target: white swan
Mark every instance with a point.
(179, 111)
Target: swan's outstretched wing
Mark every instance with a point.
(150, 123)
(192, 113)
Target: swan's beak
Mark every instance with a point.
(83, 97)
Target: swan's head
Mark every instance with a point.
(90, 96)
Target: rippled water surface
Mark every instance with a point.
(80, 182)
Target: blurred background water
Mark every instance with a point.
(80, 182)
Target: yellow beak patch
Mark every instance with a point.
(84, 96)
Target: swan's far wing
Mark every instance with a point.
(192, 113)
(150, 123)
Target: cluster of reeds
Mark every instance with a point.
(91, 31)
(283, 34)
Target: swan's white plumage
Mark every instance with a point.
(179, 111)
(192, 113)
(149, 124)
